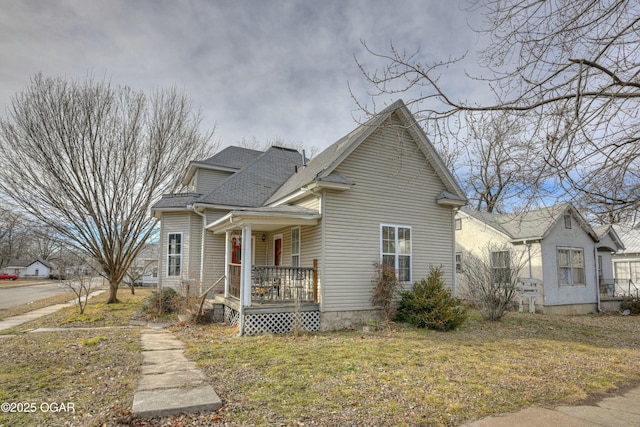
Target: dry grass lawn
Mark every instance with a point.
(395, 376)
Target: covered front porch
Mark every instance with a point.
(275, 292)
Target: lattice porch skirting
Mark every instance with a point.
(274, 323)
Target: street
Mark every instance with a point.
(24, 294)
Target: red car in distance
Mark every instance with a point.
(5, 276)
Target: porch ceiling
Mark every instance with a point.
(265, 219)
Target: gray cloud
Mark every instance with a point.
(256, 68)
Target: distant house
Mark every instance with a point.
(292, 240)
(146, 265)
(626, 262)
(562, 252)
(16, 266)
(33, 269)
(38, 269)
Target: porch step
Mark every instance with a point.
(212, 312)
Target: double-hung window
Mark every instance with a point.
(295, 247)
(571, 266)
(174, 254)
(395, 248)
(501, 267)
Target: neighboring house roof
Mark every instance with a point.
(18, 263)
(607, 230)
(531, 225)
(630, 236)
(45, 263)
(321, 167)
(230, 159)
(257, 181)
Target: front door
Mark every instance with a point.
(277, 250)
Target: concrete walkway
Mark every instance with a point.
(618, 411)
(170, 384)
(12, 322)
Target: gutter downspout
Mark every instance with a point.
(204, 224)
(595, 256)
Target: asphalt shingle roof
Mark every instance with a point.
(532, 224)
(177, 200)
(232, 157)
(257, 181)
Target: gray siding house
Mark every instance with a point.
(291, 241)
(561, 251)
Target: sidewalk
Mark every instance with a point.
(170, 384)
(12, 322)
(618, 411)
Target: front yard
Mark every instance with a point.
(389, 377)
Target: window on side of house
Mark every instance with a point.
(458, 224)
(174, 254)
(501, 266)
(459, 262)
(295, 247)
(395, 249)
(567, 220)
(571, 266)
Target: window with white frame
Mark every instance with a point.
(295, 247)
(395, 248)
(459, 262)
(174, 254)
(571, 266)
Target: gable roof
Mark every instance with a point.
(321, 167)
(606, 232)
(531, 225)
(45, 263)
(230, 159)
(257, 181)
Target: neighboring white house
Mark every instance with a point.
(290, 238)
(33, 269)
(38, 269)
(559, 248)
(626, 263)
(16, 266)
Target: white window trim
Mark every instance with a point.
(299, 246)
(169, 255)
(571, 267)
(396, 254)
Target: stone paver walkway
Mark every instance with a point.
(170, 384)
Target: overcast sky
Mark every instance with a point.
(256, 69)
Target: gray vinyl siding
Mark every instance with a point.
(173, 223)
(394, 184)
(206, 180)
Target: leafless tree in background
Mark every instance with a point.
(569, 70)
(89, 159)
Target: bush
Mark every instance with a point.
(631, 304)
(166, 301)
(385, 290)
(430, 305)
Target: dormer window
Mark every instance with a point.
(567, 220)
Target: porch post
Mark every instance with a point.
(245, 284)
(227, 250)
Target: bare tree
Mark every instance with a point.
(13, 236)
(76, 274)
(500, 165)
(568, 69)
(489, 279)
(93, 158)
